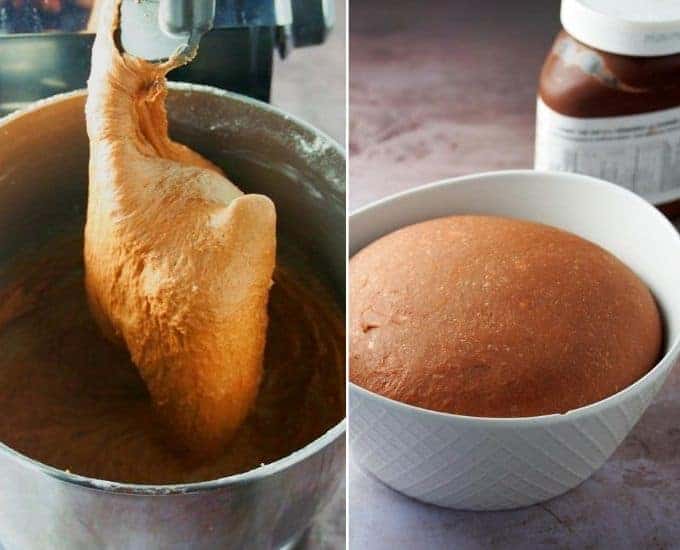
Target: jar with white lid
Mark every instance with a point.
(609, 96)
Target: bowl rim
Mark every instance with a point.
(298, 456)
(666, 362)
(185, 87)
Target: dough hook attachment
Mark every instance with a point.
(157, 29)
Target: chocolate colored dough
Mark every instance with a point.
(494, 317)
(73, 400)
(178, 262)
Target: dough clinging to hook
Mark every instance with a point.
(178, 260)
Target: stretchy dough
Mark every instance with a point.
(178, 261)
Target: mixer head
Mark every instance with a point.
(45, 44)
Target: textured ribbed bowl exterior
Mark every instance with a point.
(473, 464)
(494, 464)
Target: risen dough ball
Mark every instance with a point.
(487, 316)
(178, 261)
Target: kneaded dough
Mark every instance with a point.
(178, 262)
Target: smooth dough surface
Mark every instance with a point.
(178, 261)
(495, 317)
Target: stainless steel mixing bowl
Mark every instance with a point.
(43, 180)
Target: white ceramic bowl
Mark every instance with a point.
(493, 463)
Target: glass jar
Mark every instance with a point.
(609, 97)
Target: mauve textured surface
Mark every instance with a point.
(310, 84)
(444, 88)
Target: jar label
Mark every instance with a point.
(638, 152)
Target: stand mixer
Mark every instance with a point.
(45, 44)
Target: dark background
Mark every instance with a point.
(444, 88)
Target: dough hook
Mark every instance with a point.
(157, 29)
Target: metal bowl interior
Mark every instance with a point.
(44, 154)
